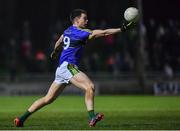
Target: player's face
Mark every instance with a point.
(83, 20)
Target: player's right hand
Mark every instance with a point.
(127, 26)
(54, 55)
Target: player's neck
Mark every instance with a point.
(76, 25)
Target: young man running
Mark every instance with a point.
(73, 41)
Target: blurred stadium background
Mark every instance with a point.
(145, 60)
(143, 63)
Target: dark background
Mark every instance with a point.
(37, 21)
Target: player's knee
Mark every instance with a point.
(90, 88)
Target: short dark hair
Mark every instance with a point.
(76, 13)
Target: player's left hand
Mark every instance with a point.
(127, 26)
(54, 55)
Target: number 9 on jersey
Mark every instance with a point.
(66, 41)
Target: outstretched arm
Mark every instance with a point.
(100, 33)
(57, 47)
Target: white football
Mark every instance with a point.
(131, 14)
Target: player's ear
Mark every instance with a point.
(76, 19)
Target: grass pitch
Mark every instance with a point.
(69, 112)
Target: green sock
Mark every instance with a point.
(25, 116)
(91, 114)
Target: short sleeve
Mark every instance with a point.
(86, 33)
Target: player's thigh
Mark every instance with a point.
(82, 81)
(55, 89)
